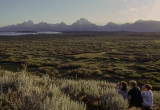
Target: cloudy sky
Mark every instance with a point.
(97, 11)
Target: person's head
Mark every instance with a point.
(147, 87)
(123, 85)
(133, 83)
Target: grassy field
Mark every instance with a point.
(73, 70)
(86, 55)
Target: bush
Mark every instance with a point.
(113, 101)
(70, 66)
(156, 99)
(43, 93)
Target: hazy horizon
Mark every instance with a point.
(98, 12)
(75, 21)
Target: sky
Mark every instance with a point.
(99, 12)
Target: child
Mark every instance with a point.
(147, 97)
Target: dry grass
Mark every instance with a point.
(24, 91)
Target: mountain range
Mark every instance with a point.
(85, 25)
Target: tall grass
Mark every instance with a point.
(95, 93)
(24, 91)
(156, 98)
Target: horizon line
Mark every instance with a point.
(76, 21)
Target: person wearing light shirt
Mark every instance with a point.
(147, 97)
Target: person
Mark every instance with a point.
(122, 89)
(134, 94)
(147, 97)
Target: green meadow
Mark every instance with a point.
(88, 55)
(61, 62)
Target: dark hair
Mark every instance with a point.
(148, 86)
(124, 84)
(133, 83)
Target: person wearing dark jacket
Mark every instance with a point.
(134, 94)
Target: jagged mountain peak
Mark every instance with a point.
(62, 23)
(111, 24)
(85, 25)
(82, 21)
(28, 23)
(43, 23)
(140, 20)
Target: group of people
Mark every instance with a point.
(142, 98)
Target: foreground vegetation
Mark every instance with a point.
(27, 92)
(23, 91)
(86, 55)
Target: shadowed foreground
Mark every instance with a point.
(24, 91)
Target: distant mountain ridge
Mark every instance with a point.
(85, 25)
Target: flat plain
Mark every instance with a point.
(76, 70)
(86, 55)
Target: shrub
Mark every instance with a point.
(156, 99)
(71, 66)
(43, 93)
(113, 101)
